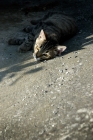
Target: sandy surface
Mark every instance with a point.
(51, 100)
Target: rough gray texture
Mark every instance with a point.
(51, 100)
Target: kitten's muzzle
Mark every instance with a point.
(35, 57)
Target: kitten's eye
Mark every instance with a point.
(44, 54)
(47, 51)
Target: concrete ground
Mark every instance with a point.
(50, 100)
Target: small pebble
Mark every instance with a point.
(80, 64)
(46, 91)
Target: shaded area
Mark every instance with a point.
(40, 7)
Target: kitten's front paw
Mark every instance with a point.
(22, 49)
(26, 46)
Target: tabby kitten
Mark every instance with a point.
(47, 35)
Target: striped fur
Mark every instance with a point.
(56, 29)
(48, 34)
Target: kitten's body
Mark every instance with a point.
(47, 33)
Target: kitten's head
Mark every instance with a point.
(44, 49)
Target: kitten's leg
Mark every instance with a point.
(15, 41)
(27, 45)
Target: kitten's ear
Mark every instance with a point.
(60, 49)
(42, 35)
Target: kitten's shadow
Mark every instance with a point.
(75, 44)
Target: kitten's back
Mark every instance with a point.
(62, 25)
